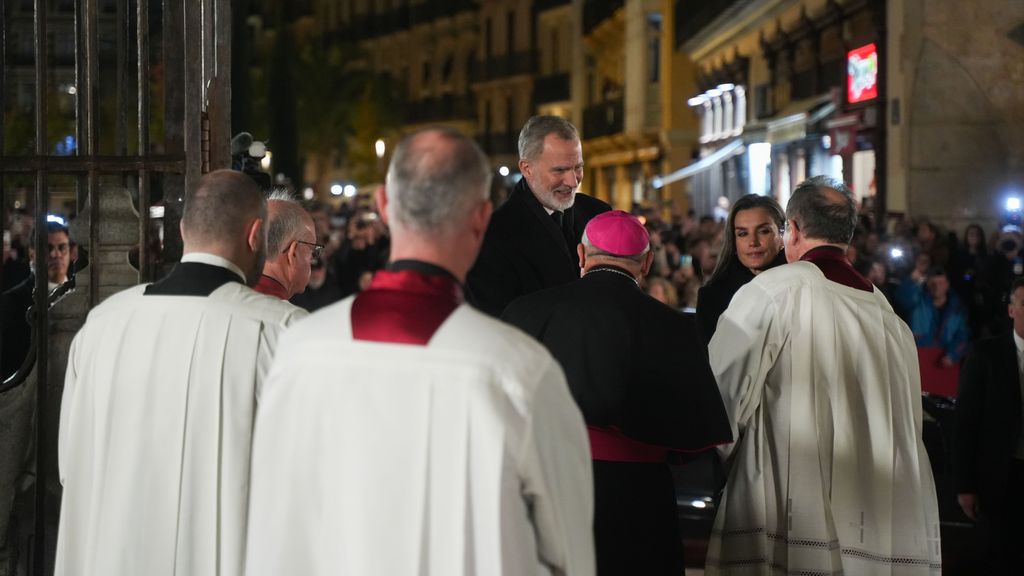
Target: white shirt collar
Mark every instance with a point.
(214, 260)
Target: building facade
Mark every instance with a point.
(485, 67)
(773, 97)
(903, 100)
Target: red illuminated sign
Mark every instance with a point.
(862, 74)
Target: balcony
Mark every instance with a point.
(505, 66)
(597, 11)
(553, 88)
(447, 107)
(602, 119)
(499, 144)
(542, 5)
(692, 16)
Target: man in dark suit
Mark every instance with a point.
(989, 441)
(16, 332)
(531, 241)
(640, 375)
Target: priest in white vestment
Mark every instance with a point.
(402, 431)
(829, 474)
(159, 399)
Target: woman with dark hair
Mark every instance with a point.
(971, 279)
(753, 244)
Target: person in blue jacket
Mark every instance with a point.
(935, 314)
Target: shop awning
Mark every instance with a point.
(729, 150)
(791, 122)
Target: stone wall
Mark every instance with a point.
(957, 69)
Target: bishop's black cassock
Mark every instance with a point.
(640, 375)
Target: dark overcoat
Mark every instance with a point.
(525, 251)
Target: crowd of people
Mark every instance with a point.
(491, 391)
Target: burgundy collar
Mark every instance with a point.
(271, 287)
(405, 306)
(832, 262)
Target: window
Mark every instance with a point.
(510, 31)
(653, 47)
(556, 50)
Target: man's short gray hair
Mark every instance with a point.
(592, 250)
(825, 209)
(531, 137)
(430, 186)
(285, 221)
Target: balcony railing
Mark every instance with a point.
(448, 107)
(505, 66)
(542, 5)
(602, 119)
(597, 11)
(553, 88)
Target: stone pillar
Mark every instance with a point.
(601, 188)
(623, 189)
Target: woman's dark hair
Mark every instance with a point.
(727, 258)
(982, 244)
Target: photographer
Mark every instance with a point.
(364, 249)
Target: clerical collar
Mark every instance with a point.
(613, 270)
(423, 268)
(832, 262)
(214, 260)
(826, 252)
(271, 286)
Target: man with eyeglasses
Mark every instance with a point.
(291, 247)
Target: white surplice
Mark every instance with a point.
(829, 473)
(155, 431)
(466, 456)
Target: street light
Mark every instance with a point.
(380, 148)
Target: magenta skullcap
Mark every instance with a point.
(617, 233)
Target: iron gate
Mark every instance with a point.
(147, 84)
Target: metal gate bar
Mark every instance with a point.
(42, 314)
(196, 54)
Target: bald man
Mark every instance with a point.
(159, 398)
(291, 247)
(402, 431)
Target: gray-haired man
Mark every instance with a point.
(291, 247)
(531, 243)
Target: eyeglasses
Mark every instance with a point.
(317, 248)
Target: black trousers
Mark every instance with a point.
(1001, 527)
(636, 527)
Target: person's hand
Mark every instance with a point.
(946, 361)
(969, 504)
